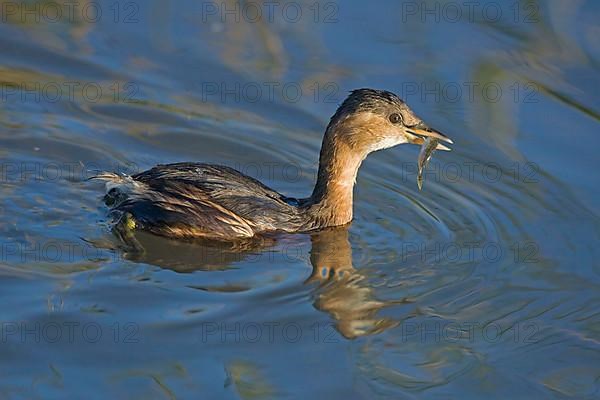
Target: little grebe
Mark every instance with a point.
(194, 200)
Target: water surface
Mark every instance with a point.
(484, 284)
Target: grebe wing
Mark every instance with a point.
(215, 195)
(230, 188)
(174, 216)
(218, 180)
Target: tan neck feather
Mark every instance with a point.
(331, 200)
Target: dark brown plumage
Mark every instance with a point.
(218, 202)
(204, 200)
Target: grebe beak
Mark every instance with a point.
(421, 130)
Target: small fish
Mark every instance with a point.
(429, 146)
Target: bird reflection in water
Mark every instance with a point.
(344, 292)
(339, 289)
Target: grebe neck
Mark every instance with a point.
(331, 200)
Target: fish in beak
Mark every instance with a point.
(429, 140)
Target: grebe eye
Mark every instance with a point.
(395, 118)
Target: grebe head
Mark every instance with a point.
(370, 120)
(367, 121)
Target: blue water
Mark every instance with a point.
(484, 284)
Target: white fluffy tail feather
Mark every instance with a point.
(124, 184)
